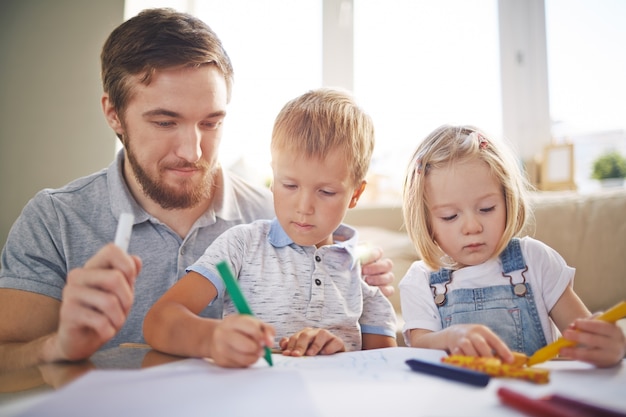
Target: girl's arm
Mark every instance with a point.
(597, 342)
(568, 308)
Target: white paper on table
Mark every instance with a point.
(366, 383)
(191, 388)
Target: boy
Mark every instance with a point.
(298, 271)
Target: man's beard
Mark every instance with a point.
(185, 196)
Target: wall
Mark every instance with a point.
(51, 125)
(524, 76)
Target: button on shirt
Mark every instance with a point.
(293, 287)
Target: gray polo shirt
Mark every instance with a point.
(60, 229)
(293, 287)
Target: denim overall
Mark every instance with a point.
(512, 317)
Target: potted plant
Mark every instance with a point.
(609, 168)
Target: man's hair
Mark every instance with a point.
(158, 39)
(326, 119)
(446, 146)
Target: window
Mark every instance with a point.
(417, 64)
(586, 70)
(276, 48)
(421, 64)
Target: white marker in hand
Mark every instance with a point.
(364, 251)
(124, 228)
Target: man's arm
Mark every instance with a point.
(36, 329)
(378, 271)
(28, 321)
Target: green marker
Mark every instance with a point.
(240, 302)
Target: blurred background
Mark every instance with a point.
(536, 72)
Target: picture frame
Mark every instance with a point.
(557, 168)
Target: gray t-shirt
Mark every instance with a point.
(60, 229)
(293, 287)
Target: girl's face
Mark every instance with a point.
(467, 211)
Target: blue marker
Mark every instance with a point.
(450, 372)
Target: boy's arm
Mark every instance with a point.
(310, 342)
(376, 341)
(172, 324)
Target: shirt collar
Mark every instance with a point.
(122, 201)
(345, 237)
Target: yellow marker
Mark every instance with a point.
(550, 351)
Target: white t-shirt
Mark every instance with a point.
(548, 275)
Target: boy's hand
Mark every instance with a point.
(311, 342)
(239, 340)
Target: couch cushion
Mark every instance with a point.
(589, 231)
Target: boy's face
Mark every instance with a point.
(311, 196)
(467, 211)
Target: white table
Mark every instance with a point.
(367, 383)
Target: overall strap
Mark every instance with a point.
(512, 258)
(440, 277)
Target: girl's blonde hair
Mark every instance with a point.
(448, 145)
(324, 119)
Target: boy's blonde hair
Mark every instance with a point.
(322, 120)
(449, 145)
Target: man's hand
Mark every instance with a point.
(96, 301)
(311, 342)
(377, 271)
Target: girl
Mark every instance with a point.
(480, 290)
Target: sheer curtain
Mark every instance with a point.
(276, 48)
(420, 64)
(417, 64)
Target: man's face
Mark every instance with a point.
(171, 131)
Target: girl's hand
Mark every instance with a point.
(239, 340)
(476, 340)
(598, 342)
(311, 342)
